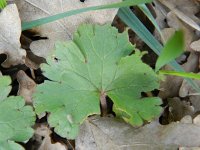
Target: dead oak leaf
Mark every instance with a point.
(111, 134)
(195, 45)
(10, 29)
(187, 91)
(43, 140)
(26, 86)
(185, 10)
(62, 29)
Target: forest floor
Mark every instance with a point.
(177, 127)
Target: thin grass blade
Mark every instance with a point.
(180, 74)
(38, 22)
(146, 11)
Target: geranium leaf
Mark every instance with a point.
(95, 64)
(16, 119)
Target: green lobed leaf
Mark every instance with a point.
(16, 119)
(4, 87)
(132, 112)
(172, 49)
(125, 91)
(95, 62)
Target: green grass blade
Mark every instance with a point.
(136, 25)
(3, 4)
(172, 49)
(38, 22)
(180, 74)
(146, 11)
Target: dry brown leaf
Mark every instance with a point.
(42, 139)
(161, 13)
(10, 29)
(195, 46)
(48, 145)
(26, 86)
(171, 85)
(62, 29)
(187, 91)
(187, 119)
(179, 14)
(179, 108)
(111, 134)
(167, 33)
(196, 120)
(184, 10)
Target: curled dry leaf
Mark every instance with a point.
(42, 139)
(10, 29)
(176, 14)
(26, 86)
(62, 29)
(197, 120)
(186, 119)
(111, 134)
(161, 13)
(187, 91)
(47, 145)
(195, 46)
(185, 10)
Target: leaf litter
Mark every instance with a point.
(181, 99)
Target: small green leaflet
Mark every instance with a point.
(97, 61)
(16, 119)
(3, 4)
(172, 49)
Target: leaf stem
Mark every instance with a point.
(103, 104)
